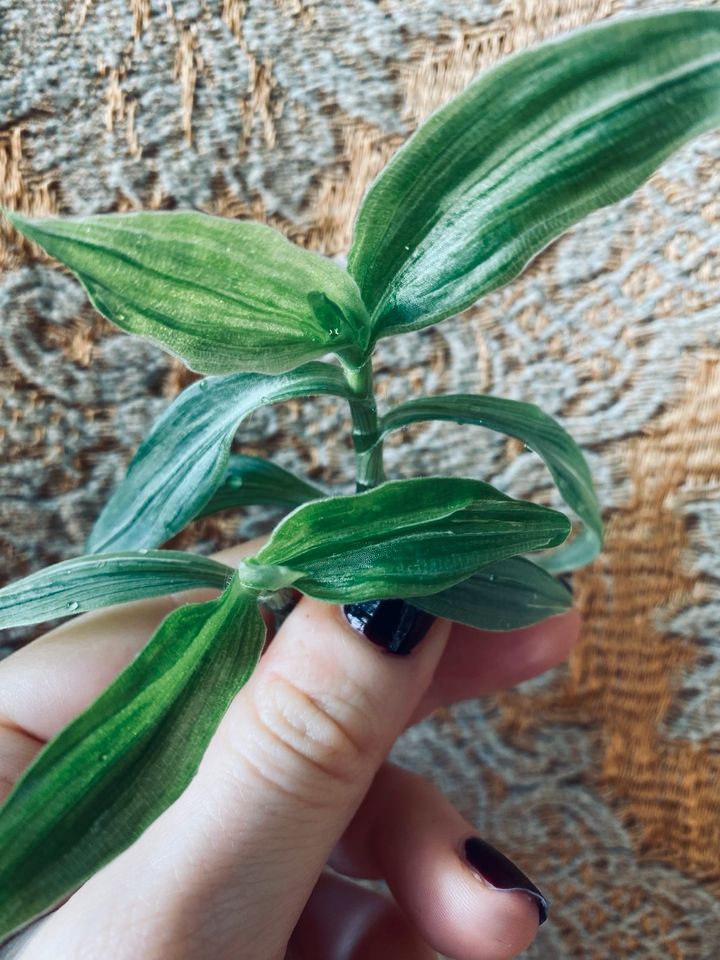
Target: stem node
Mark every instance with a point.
(365, 432)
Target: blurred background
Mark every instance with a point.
(601, 779)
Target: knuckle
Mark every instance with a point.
(306, 741)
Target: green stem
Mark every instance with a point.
(366, 433)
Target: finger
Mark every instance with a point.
(17, 751)
(44, 685)
(288, 767)
(343, 921)
(478, 662)
(407, 833)
(47, 683)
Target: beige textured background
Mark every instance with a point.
(602, 779)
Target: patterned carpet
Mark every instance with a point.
(600, 779)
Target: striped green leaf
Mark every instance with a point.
(222, 295)
(113, 770)
(101, 580)
(252, 480)
(542, 434)
(528, 149)
(404, 538)
(183, 461)
(503, 596)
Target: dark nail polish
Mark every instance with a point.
(395, 625)
(501, 873)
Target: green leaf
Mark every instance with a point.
(182, 462)
(404, 538)
(503, 596)
(528, 149)
(222, 295)
(541, 433)
(101, 580)
(114, 769)
(252, 480)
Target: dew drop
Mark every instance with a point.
(143, 551)
(72, 605)
(202, 385)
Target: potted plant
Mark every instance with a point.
(493, 177)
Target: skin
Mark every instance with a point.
(294, 781)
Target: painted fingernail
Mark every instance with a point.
(394, 625)
(500, 873)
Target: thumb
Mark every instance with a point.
(326, 704)
(235, 859)
(303, 744)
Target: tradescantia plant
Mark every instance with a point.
(486, 183)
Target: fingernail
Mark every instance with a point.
(394, 625)
(500, 873)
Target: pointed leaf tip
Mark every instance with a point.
(223, 295)
(531, 147)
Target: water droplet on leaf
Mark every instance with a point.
(72, 605)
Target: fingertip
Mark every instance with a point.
(475, 921)
(463, 916)
(569, 625)
(466, 899)
(478, 662)
(550, 642)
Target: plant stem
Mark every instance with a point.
(366, 434)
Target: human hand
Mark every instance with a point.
(294, 779)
